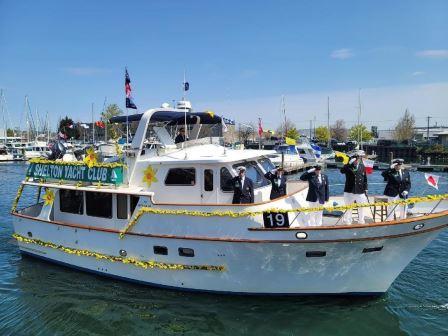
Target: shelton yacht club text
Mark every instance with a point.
(71, 172)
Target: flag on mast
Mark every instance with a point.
(432, 180)
(260, 128)
(128, 90)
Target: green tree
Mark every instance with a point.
(360, 132)
(293, 133)
(404, 130)
(112, 110)
(10, 132)
(67, 127)
(322, 134)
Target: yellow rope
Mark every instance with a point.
(77, 163)
(150, 264)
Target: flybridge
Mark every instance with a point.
(100, 173)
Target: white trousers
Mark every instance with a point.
(399, 210)
(350, 198)
(314, 218)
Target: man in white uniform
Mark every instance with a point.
(355, 189)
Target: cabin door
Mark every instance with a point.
(209, 181)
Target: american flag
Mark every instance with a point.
(128, 90)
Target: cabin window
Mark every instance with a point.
(266, 164)
(181, 176)
(99, 204)
(71, 201)
(226, 180)
(134, 202)
(208, 180)
(122, 206)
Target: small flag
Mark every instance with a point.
(186, 86)
(433, 180)
(128, 90)
(99, 124)
(345, 158)
(290, 141)
(224, 126)
(368, 164)
(260, 128)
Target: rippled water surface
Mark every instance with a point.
(38, 298)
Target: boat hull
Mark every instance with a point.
(269, 266)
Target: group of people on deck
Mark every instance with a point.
(355, 189)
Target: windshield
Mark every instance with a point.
(254, 173)
(266, 164)
(286, 150)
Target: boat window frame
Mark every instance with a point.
(102, 204)
(220, 180)
(181, 185)
(254, 164)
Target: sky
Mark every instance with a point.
(239, 57)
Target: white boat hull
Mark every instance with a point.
(267, 262)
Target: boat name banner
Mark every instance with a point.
(76, 173)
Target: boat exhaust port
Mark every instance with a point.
(301, 235)
(123, 253)
(419, 226)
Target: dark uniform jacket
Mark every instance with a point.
(396, 185)
(179, 138)
(317, 192)
(355, 178)
(242, 193)
(277, 190)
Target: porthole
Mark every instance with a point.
(186, 252)
(301, 235)
(123, 253)
(419, 226)
(163, 250)
(372, 249)
(316, 254)
(30, 234)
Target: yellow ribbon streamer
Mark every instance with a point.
(233, 214)
(150, 264)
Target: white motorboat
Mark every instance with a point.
(5, 155)
(36, 149)
(286, 156)
(167, 220)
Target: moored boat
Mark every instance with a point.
(162, 215)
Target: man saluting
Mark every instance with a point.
(355, 189)
(318, 193)
(398, 186)
(278, 181)
(243, 187)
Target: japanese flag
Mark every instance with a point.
(433, 180)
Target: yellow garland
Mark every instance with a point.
(78, 163)
(16, 200)
(233, 214)
(150, 264)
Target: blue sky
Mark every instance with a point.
(240, 57)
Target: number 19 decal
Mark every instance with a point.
(275, 219)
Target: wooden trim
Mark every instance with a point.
(232, 240)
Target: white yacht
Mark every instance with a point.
(36, 149)
(5, 155)
(164, 217)
(286, 156)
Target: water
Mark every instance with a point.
(38, 298)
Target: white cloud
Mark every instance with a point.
(434, 53)
(85, 71)
(418, 73)
(342, 54)
(381, 106)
